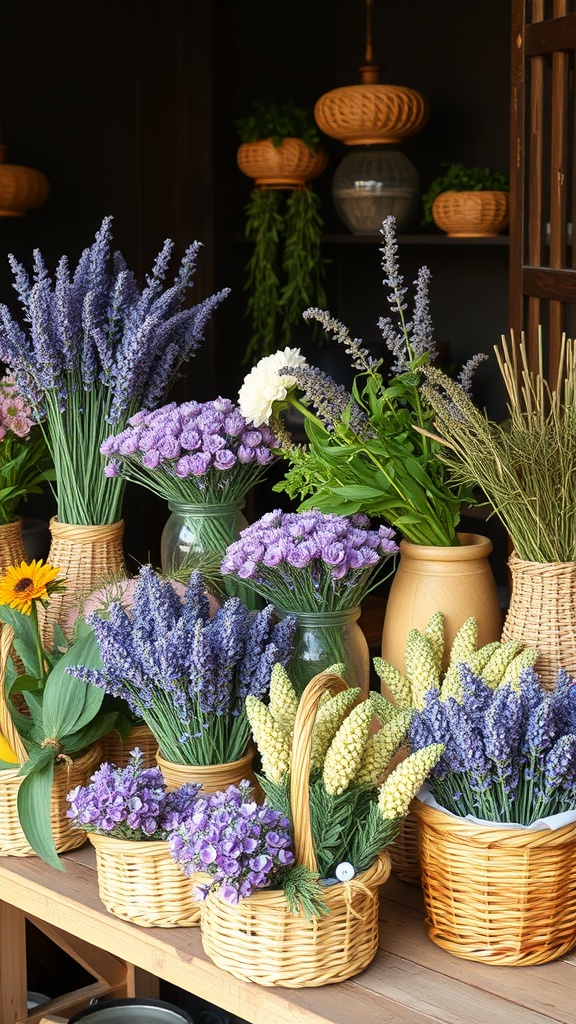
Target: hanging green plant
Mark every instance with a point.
(286, 271)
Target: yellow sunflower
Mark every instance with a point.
(22, 584)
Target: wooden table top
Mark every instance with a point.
(411, 980)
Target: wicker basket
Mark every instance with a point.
(371, 113)
(404, 851)
(259, 939)
(116, 751)
(12, 550)
(289, 165)
(471, 214)
(88, 556)
(213, 777)
(497, 895)
(141, 883)
(541, 614)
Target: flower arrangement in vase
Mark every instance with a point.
(51, 721)
(202, 458)
(322, 772)
(503, 791)
(92, 349)
(318, 567)
(128, 816)
(187, 675)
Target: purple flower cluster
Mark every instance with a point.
(194, 452)
(131, 802)
(242, 845)
(98, 326)
(312, 560)
(510, 753)
(184, 674)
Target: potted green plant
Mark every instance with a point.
(280, 150)
(467, 201)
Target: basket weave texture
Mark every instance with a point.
(289, 165)
(117, 751)
(260, 939)
(139, 881)
(88, 556)
(498, 896)
(213, 777)
(542, 614)
(468, 214)
(371, 113)
(404, 851)
(12, 550)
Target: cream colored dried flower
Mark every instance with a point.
(435, 633)
(384, 710)
(344, 754)
(283, 699)
(394, 682)
(272, 742)
(465, 642)
(381, 747)
(329, 718)
(494, 669)
(397, 792)
(263, 385)
(421, 666)
(526, 659)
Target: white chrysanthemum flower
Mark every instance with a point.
(264, 386)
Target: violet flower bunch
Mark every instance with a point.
(369, 449)
(131, 802)
(311, 561)
(243, 845)
(184, 674)
(509, 753)
(194, 453)
(91, 349)
(25, 462)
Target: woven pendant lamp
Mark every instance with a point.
(376, 178)
(21, 188)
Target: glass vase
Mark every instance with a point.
(324, 639)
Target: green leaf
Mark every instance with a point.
(33, 806)
(91, 733)
(68, 700)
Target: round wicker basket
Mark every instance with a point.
(367, 114)
(213, 777)
(497, 895)
(139, 881)
(116, 751)
(472, 214)
(290, 165)
(404, 851)
(12, 550)
(260, 939)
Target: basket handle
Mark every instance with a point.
(7, 727)
(300, 763)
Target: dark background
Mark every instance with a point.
(129, 108)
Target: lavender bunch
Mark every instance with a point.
(368, 450)
(131, 802)
(92, 349)
(244, 846)
(311, 561)
(184, 674)
(509, 753)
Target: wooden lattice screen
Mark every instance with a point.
(543, 161)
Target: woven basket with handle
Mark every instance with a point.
(260, 939)
(13, 842)
(140, 882)
(497, 895)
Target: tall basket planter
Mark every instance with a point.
(88, 556)
(116, 751)
(457, 581)
(259, 939)
(542, 613)
(12, 550)
(140, 882)
(497, 895)
(212, 777)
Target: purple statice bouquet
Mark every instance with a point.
(131, 802)
(25, 463)
(243, 845)
(311, 561)
(184, 674)
(509, 753)
(93, 348)
(194, 453)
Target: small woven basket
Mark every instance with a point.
(542, 614)
(497, 895)
(260, 939)
(213, 777)
(116, 751)
(404, 851)
(139, 881)
(12, 550)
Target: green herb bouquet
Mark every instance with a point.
(363, 453)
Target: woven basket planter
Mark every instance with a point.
(542, 614)
(404, 851)
(13, 842)
(290, 165)
(141, 883)
(260, 939)
(497, 895)
(472, 214)
(12, 550)
(213, 777)
(371, 113)
(88, 557)
(117, 751)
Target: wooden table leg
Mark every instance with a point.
(140, 983)
(13, 974)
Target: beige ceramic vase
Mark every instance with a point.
(457, 581)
